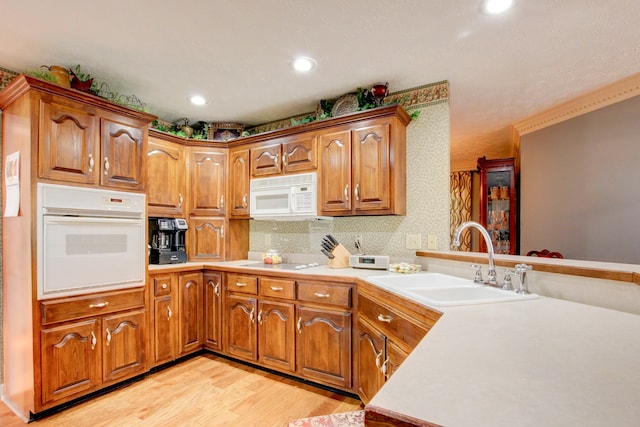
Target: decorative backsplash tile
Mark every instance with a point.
(427, 202)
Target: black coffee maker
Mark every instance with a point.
(167, 240)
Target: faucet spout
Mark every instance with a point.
(492, 279)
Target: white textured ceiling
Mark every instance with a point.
(501, 69)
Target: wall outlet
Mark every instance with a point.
(413, 241)
(267, 240)
(357, 242)
(432, 241)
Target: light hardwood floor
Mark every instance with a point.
(203, 391)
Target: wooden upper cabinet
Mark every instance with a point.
(123, 158)
(206, 239)
(371, 168)
(335, 173)
(291, 154)
(239, 184)
(207, 186)
(166, 183)
(67, 146)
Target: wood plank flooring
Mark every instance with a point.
(203, 391)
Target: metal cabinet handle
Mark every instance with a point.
(378, 356)
(99, 305)
(276, 288)
(260, 317)
(169, 313)
(94, 341)
(221, 201)
(252, 316)
(244, 201)
(284, 159)
(299, 325)
(357, 191)
(383, 368)
(240, 284)
(222, 231)
(319, 295)
(180, 200)
(276, 159)
(106, 166)
(216, 289)
(385, 319)
(91, 163)
(108, 336)
(346, 192)
(164, 286)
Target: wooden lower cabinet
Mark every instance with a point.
(83, 356)
(276, 335)
(324, 346)
(371, 352)
(191, 312)
(164, 336)
(213, 310)
(241, 327)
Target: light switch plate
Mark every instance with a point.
(413, 241)
(432, 241)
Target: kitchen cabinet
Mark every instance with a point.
(206, 239)
(166, 179)
(213, 310)
(239, 183)
(86, 144)
(164, 322)
(289, 154)
(208, 172)
(389, 328)
(363, 168)
(241, 327)
(498, 212)
(191, 324)
(324, 333)
(89, 342)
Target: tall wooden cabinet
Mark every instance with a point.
(62, 348)
(498, 204)
(166, 179)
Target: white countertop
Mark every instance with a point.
(542, 362)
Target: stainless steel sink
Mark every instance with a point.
(442, 290)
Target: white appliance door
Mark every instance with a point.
(272, 201)
(87, 254)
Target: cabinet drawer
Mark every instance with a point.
(242, 283)
(162, 285)
(390, 322)
(90, 305)
(325, 293)
(278, 288)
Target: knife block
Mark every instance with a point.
(341, 259)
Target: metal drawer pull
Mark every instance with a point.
(276, 288)
(299, 325)
(99, 305)
(93, 341)
(385, 319)
(108, 336)
(169, 313)
(240, 284)
(319, 295)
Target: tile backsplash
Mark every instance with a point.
(427, 202)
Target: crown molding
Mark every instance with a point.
(600, 98)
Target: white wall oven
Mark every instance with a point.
(89, 240)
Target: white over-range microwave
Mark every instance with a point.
(284, 198)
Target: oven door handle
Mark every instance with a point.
(53, 219)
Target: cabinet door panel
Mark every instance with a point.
(206, 239)
(300, 153)
(165, 179)
(395, 357)
(324, 346)
(371, 354)
(67, 146)
(335, 173)
(213, 310)
(265, 160)
(191, 311)
(70, 360)
(164, 331)
(276, 332)
(239, 184)
(371, 168)
(207, 186)
(124, 345)
(241, 328)
(122, 156)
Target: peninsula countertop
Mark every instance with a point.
(542, 362)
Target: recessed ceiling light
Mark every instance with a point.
(493, 7)
(197, 100)
(303, 64)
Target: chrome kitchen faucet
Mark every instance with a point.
(491, 279)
